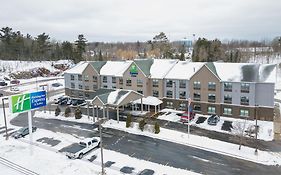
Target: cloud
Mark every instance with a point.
(131, 20)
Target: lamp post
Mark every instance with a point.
(43, 85)
(101, 147)
(188, 115)
(256, 130)
(6, 128)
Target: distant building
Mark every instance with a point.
(229, 89)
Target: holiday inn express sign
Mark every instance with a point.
(29, 101)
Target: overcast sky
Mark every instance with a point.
(132, 20)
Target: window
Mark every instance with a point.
(227, 86)
(244, 112)
(128, 82)
(196, 85)
(211, 86)
(155, 93)
(113, 79)
(72, 85)
(87, 88)
(72, 77)
(155, 83)
(80, 86)
(87, 95)
(182, 106)
(211, 109)
(169, 83)
(104, 79)
(211, 97)
(113, 87)
(197, 107)
(121, 81)
(80, 95)
(182, 94)
(227, 98)
(140, 91)
(79, 77)
(95, 86)
(245, 87)
(227, 111)
(86, 77)
(95, 78)
(196, 96)
(244, 100)
(169, 94)
(169, 104)
(104, 86)
(139, 83)
(182, 84)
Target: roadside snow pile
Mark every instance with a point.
(265, 131)
(204, 143)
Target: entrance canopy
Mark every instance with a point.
(153, 101)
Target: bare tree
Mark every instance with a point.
(239, 130)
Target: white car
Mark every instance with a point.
(14, 88)
(78, 150)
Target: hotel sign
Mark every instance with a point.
(133, 70)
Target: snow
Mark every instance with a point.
(113, 97)
(149, 101)
(184, 70)
(78, 69)
(160, 67)
(265, 127)
(204, 143)
(115, 68)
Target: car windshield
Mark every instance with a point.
(21, 130)
(82, 144)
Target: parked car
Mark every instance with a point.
(63, 100)
(1, 95)
(14, 88)
(213, 120)
(15, 81)
(6, 78)
(185, 117)
(146, 172)
(78, 150)
(78, 102)
(56, 84)
(23, 132)
(3, 83)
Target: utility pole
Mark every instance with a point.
(5, 119)
(188, 115)
(101, 147)
(256, 130)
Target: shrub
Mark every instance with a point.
(78, 113)
(67, 112)
(128, 121)
(57, 111)
(142, 123)
(156, 128)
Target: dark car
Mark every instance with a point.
(15, 81)
(63, 101)
(1, 95)
(76, 102)
(146, 172)
(56, 84)
(213, 120)
(3, 83)
(23, 132)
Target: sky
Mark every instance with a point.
(140, 20)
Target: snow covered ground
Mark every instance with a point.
(265, 127)
(204, 143)
(46, 156)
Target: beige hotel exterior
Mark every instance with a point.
(228, 89)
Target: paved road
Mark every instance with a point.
(155, 150)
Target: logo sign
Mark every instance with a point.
(25, 102)
(133, 70)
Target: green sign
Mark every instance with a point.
(133, 70)
(25, 102)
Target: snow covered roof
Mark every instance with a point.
(161, 67)
(115, 68)
(78, 69)
(247, 72)
(97, 65)
(115, 98)
(184, 70)
(149, 101)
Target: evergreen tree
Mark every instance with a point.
(80, 47)
(78, 113)
(156, 127)
(67, 112)
(57, 111)
(128, 121)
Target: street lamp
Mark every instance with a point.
(43, 85)
(6, 128)
(256, 130)
(101, 147)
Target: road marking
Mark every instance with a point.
(117, 141)
(132, 154)
(148, 158)
(167, 163)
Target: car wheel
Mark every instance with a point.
(98, 145)
(80, 156)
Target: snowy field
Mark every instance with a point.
(265, 127)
